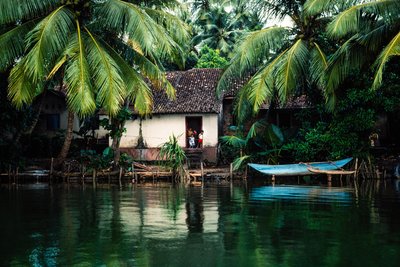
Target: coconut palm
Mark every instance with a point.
(281, 60)
(219, 25)
(371, 30)
(104, 50)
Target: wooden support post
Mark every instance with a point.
(231, 171)
(202, 173)
(94, 178)
(83, 175)
(329, 178)
(356, 169)
(68, 171)
(51, 170)
(17, 173)
(120, 177)
(9, 173)
(133, 173)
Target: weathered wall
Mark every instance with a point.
(157, 130)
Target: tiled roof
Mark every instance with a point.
(195, 92)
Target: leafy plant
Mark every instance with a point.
(261, 143)
(174, 156)
(210, 58)
(97, 161)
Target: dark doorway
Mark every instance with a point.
(194, 123)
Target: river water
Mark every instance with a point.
(244, 225)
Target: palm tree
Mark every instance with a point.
(371, 32)
(220, 25)
(281, 60)
(104, 51)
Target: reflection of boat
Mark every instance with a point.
(301, 168)
(315, 193)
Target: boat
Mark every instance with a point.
(301, 168)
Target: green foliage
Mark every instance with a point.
(97, 161)
(116, 125)
(210, 58)
(344, 133)
(261, 144)
(173, 155)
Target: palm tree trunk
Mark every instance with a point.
(68, 138)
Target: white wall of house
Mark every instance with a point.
(157, 130)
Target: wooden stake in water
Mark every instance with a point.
(120, 177)
(51, 170)
(202, 173)
(94, 178)
(231, 171)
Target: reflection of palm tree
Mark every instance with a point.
(194, 212)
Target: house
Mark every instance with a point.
(196, 107)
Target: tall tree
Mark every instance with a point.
(220, 24)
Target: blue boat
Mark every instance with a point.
(300, 168)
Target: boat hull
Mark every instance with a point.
(299, 168)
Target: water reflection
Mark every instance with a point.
(214, 226)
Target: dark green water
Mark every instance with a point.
(216, 226)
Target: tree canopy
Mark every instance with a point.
(103, 50)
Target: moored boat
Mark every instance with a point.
(301, 168)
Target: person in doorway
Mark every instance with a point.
(190, 135)
(200, 136)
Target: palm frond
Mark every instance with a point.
(349, 21)
(129, 20)
(137, 89)
(318, 66)
(106, 77)
(59, 63)
(243, 108)
(80, 95)
(174, 26)
(291, 69)
(349, 57)
(46, 41)
(234, 141)
(258, 45)
(21, 89)
(11, 12)
(238, 162)
(315, 7)
(392, 49)
(11, 44)
(261, 85)
(154, 74)
(255, 48)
